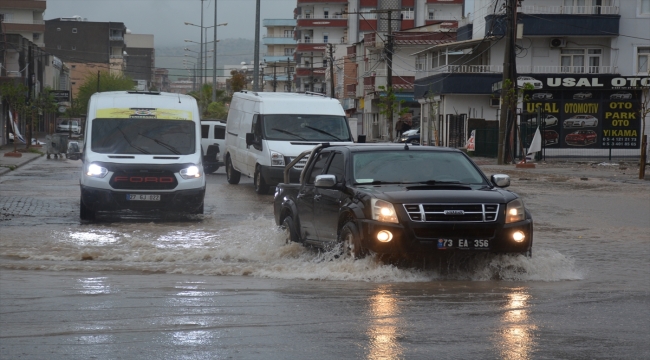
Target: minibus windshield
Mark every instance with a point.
(143, 136)
(292, 127)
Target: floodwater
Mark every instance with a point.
(225, 285)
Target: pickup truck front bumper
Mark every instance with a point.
(428, 238)
(274, 175)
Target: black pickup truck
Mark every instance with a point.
(401, 200)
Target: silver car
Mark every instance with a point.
(581, 121)
(620, 96)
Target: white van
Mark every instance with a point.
(266, 131)
(142, 151)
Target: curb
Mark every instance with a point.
(4, 170)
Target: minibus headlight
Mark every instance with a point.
(191, 172)
(97, 171)
(277, 159)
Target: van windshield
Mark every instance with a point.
(143, 136)
(294, 127)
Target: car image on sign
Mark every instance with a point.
(581, 121)
(581, 138)
(620, 96)
(542, 96)
(582, 96)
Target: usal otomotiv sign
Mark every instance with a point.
(586, 111)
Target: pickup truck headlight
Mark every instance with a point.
(277, 159)
(515, 211)
(94, 170)
(191, 172)
(383, 211)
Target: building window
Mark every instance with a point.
(431, 14)
(288, 33)
(74, 30)
(73, 66)
(326, 13)
(288, 70)
(288, 51)
(643, 60)
(326, 37)
(644, 7)
(407, 13)
(573, 60)
(419, 60)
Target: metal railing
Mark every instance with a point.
(575, 10)
(329, 40)
(486, 69)
(32, 22)
(322, 16)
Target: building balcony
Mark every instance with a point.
(35, 26)
(319, 23)
(571, 10)
(351, 90)
(546, 24)
(25, 4)
(305, 71)
(495, 69)
(116, 38)
(278, 58)
(278, 22)
(271, 40)
(322, 16)
(302, 2)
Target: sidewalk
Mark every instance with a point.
(9, 163)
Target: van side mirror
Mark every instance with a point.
(250, 139)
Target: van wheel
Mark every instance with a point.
(261, 187)
(232, 175)
(84, 212)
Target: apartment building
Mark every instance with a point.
(25, 18)
(140, 57)
(279, 64)
(580, 56)
(87, 46)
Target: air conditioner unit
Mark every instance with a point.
(495, 102)
(558, 42)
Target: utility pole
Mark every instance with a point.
(388, 49)
(275, 78)
(289, 74)
(256, 65)
(214, 54)
(508, 82)
(201, 53)
(331, 60)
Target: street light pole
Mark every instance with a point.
(214, 59)
(256, 60)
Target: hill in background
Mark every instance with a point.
(229, 52)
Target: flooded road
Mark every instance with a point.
(225, 285)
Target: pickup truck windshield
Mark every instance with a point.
(419, 167)
(293, 127)
(143, 136)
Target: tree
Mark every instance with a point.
(16, 95)
(217, 110)
(210, 109)
(388, 105)
(44, 103)
(107, 82)
(237, 81)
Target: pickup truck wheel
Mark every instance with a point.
(351, 242)
(289, 230)
(261, 187)
(84, 212)
(232, 175)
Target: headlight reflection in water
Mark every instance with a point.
(516, 339)
(384, 330)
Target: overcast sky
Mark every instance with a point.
(165, 18)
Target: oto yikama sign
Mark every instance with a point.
(586, 112)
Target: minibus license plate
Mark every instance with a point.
(143, 197)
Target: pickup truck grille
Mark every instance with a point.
(300, 164)
(452, 212)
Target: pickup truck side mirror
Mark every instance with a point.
(326, 181)
(501, 180)
(250, 139)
